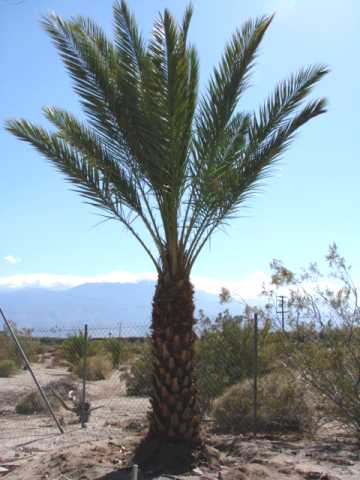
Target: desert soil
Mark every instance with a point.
(32, 448)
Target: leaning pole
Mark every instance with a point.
(26, 360)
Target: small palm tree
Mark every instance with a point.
(152, 152)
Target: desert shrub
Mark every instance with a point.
(137, 347)
(74, 348)
(33, 403)
(30, 345)
(224, 357)
(138, 379)
(323, 341)
(118, 350)
(98, 367)
(30, 404)
(281, 406)
(328, 360)
(7, 368)
(225, 354)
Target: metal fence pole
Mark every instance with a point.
(23, 354)
(255, 369)
(84, 373)
(134, 472)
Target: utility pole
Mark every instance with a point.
(282, 311)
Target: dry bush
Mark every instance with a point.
(281, 406)
(98, 367)
(7, 368)
(33, 403)
(138, 379)
(323, 340)
(30, 404)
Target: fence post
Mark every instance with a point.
(255, 369)
(134, 472)
(28, 366)
(84, 373)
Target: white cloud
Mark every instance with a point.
(49, 280)
(12, 260)
(247, 287)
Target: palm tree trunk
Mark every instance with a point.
(174, 431)
(175, 414)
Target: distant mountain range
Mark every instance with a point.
(105, 307)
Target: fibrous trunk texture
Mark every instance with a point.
(174, 418)
(174, 413)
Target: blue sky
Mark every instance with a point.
(311, 200)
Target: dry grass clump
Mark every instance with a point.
(98, 367)
(33, 403)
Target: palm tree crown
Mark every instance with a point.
(151, 150)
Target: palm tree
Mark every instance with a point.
(152, 152)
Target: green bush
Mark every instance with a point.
(224, 357)
(281, 406)
(98, 367)
(74, 348)
(33, 403)
(225, 354)
(118, 351)
(7, 368)
(30, 345)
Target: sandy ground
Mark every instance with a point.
(31, 447)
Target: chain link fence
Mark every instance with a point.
(101, 377)
(84, 380)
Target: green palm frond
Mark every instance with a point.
(91, 76)
(79, 170)
(242, 160)
(148, 150)
(88, 144)
(228, 82)
(216, 109)
(286, 97)
(239, 181)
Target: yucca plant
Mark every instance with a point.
(152, 152)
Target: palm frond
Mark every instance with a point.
(286, 97)
(77, 169)
(91, 75)
(211, 136)
(129, 42)
(148, 148)
(228, 82)
(90, 183)
(186, 21)
(88, 144)
(241, 179)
